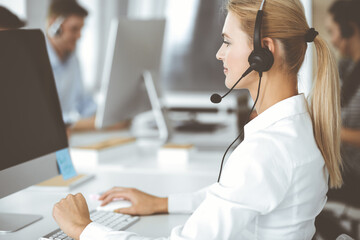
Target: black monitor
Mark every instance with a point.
(31, 125)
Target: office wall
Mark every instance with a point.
(16, 6)
(96, 37)
(305, 76)
(36, 11)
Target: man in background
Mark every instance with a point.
(65, 21)
(8, 20)
(343, 25)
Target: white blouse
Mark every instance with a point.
(273, 185)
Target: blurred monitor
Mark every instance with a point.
(192, 38)
(134, 47)
(31, 124)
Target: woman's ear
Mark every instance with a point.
(269, 43)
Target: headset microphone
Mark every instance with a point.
(215, 98)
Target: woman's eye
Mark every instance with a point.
(226, 43)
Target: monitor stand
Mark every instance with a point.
(161, 119)
(11, 222)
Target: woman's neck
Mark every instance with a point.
(275, 87)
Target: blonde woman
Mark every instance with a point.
(275, 182)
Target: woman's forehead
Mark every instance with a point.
(232, 27)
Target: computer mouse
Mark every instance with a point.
(111, 206)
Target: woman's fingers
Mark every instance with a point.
(129, 211)
(116, 195)
(110, 191)
(142, 203)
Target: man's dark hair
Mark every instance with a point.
(9, 20)
(347, 14)
(65, 8)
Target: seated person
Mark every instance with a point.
(275, 182)
(65, 21)
(343, 25)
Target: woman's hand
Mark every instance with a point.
(142, 203)
(72, 215)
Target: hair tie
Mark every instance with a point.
(311, 35)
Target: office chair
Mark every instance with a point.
(344, 237)
(330, 225)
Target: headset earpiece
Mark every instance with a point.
(55, 28)
(261, 59)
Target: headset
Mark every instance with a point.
(55, 28)
(260, 60)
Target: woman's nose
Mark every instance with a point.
(219, 54)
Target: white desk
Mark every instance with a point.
(205, 162)
(41, 202)
(142, 173)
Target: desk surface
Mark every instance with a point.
(142, 172)
(41, 202)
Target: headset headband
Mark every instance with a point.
(257, 29)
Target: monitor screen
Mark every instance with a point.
(192, 38)
(31, 125)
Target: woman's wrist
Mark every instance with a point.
(79, 229)
(162, 205)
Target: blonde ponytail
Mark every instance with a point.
(325, 111)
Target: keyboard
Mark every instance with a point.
(116, 221)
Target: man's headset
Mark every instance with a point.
(55, 28)
(260, 60)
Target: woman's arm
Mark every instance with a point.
(142, 203)
(146, 204)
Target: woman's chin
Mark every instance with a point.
(229, 83)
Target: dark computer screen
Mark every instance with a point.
(193, 36)
(31, 124)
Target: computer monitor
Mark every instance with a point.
(132, 61)
(31, 125)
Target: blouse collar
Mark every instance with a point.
(286, 108)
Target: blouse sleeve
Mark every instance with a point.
(186, 202)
